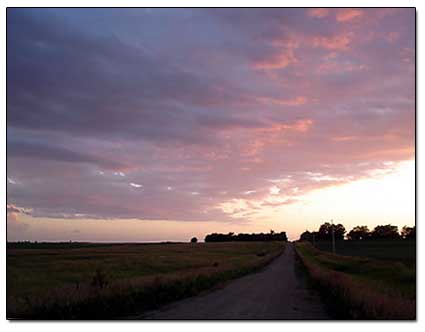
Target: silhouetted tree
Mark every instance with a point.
(272, 236)
(309, 236)
(388, 232)
(306, 236)
(325, 232)
(193, 240)
(408, 233)
(359, 233)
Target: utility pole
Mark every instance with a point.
(333, 237)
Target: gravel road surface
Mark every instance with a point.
(277, 292)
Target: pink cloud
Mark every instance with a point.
(11, 208)
(344, 138)
(281, 55)
(298, 126)
(15, 227)
(297, 101)
(339, 42)
(275, 134)
(318, 12)
(277, 61)
(348, 14)
(338, 67)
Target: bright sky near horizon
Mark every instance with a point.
(160, 124)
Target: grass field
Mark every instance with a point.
(364, 287)
(404, 251)
(106, 281)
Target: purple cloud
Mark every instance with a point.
(214, 102)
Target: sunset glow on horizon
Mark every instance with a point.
(147, 125)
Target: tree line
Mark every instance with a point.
(359, 233)
(272, 236)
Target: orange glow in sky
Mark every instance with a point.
(385, 197)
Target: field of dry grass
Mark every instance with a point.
(365, 288)
(116, 280)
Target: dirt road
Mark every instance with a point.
(277, 292)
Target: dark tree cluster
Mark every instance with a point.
(308, 236)
(272, 236)
(388, 232)
(359, 233)
(408, 233)
(384, 232)
(324, 233)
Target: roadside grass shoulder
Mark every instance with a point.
(366, 287)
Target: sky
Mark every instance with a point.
(163, 124)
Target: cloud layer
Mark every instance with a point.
(201, 114)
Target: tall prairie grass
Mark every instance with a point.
(366, 288)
